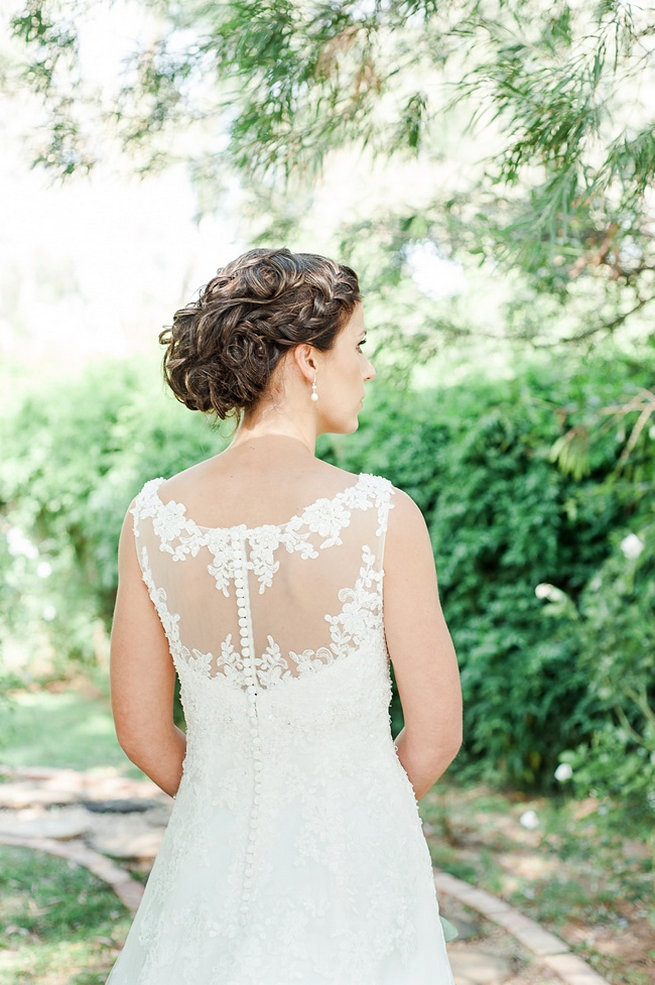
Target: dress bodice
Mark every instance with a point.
(256, 607)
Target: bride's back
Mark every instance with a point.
(263, 480)
(264, 555)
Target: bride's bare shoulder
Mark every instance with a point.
(332, 474)
(187, 479)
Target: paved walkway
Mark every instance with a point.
(111, 824)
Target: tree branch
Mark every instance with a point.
(608, 326)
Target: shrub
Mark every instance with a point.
(617, 646)
(478, 459)
(74, 455)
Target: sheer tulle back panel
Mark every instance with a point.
(311, 596)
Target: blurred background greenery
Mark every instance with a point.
(546, 573)
(487, 167)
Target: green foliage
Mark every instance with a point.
(74, 455)
(617, 635)
(509, 529)
(477, 459)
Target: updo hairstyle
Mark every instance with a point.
(222, 349)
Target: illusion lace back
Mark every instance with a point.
(294, 852)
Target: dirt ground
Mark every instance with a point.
(558, 863)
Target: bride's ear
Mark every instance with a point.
(304, 356)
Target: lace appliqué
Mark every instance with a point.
(361, 616)
(358, 622)
(218, 543)
(180, 536)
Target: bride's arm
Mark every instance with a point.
(143, 676)
(421, 650)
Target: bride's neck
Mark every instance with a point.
(275, 423)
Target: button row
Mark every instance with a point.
(248, 870)
(250, 680)
(240, 576)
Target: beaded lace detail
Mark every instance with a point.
(181, 536)
(233, 553)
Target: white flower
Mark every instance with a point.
(544, 590)
(632, 546)
(49, 612)
(529, 820)
(563, 772)
(44, 569)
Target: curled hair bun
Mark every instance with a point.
(222, 349)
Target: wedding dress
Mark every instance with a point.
(294, 852)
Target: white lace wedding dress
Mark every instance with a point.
(294, 852)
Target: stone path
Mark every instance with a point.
(107, 822)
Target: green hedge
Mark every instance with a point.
(504, 519)
(477, 457)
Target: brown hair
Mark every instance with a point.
(222, 349)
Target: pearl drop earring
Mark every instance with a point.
(314, 396)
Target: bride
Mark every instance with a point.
(278, 589)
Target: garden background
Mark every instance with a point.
(488, 169)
